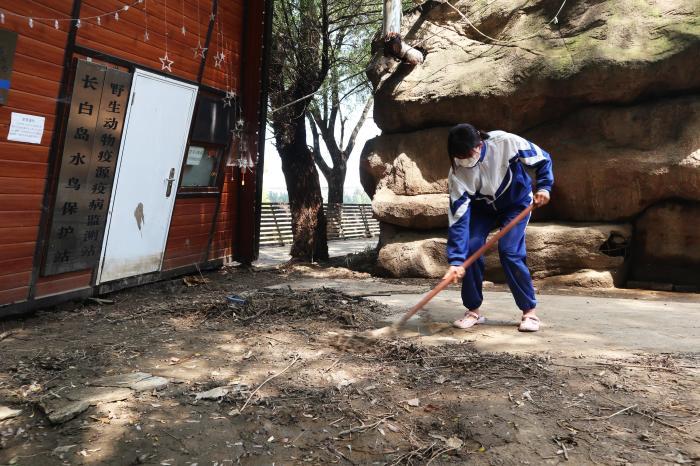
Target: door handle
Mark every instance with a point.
(170, 180)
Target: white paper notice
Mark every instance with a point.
(194, 157)
(26, 128)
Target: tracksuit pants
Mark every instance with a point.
(511, 250)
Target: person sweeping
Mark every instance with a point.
(488, 187)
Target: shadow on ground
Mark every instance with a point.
(286, 391)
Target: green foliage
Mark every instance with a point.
(359, 196)
(276, 196)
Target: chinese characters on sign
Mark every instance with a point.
(8, 43)
(92, 139)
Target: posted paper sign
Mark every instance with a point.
(26, 128)
(194, 157)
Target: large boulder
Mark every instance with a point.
(611, 162)
(407, 164)
(597, 52)
(626, 160)
(424, 211)
(553, 249)
(610, 89)
(667, 248)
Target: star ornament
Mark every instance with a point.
(166, 63)
(217, 61)
(199, 51)
(230, 95)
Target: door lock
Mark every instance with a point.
(170, 180)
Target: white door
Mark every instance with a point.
(147, 174)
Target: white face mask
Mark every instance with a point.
(471, 162)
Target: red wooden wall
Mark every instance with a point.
(36, 85)
(36, 80)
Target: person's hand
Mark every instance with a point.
(541, 198)
(455, 272)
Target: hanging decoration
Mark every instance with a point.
(199, 50)
(77, 22)
(165, 61)
(231, 87)
(239, 141)
(218, 58)
(183, 30)
(240, 155)
(146, 36)
(239, 145)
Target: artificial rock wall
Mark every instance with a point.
(611, 90)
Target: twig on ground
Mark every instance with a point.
(338, 453)
(603, 418)
(333, 365)
(365, 427)
(176, 438)
(296, 358)
(563, 448)
(655, 418)
(297, 437)
(615, 364)
(440, 452)
(204, 280)
(420, 451)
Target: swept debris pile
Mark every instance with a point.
(323, 304)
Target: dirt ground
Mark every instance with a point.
(290, 388)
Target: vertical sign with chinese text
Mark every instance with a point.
(92, 140)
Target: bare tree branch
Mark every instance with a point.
(358, 126)
(318, 158)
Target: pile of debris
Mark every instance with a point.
(324, 304)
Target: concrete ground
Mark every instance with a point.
(572, 325)
(275, 255)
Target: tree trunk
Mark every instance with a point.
(305, 200)
(336, 183)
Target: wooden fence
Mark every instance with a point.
(345, 221)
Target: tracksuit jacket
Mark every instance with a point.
(490, 194)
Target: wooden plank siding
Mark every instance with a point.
(189, 232)
(125, 38)
(35, 81)
(223, 237)
(203, 227)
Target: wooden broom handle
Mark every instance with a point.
(480, 252)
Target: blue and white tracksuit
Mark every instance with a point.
(491, 194)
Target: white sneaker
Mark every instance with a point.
(469, 320)
(529, 324)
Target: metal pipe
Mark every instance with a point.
(392, 17)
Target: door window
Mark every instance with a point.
(201, 166)
(209, 139)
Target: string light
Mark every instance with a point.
(165, 61)
(78, 21)
(184, 31)
(145, 20)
